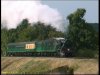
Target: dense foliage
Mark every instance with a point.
(81, 33)
(95, 26)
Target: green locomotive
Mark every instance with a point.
(50, 47)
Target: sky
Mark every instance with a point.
(65, 7)
(53, 12)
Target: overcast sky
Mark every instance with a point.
(65, 7)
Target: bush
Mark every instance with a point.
(87, 53)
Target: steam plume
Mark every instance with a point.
(13, 12)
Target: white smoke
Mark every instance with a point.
(13, 12)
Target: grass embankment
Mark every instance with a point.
(36, 65)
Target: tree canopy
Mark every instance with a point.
(80, 32)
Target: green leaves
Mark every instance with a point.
(4, 40)
(80, 32)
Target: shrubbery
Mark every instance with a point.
(88, 53)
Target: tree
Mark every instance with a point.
(22, 31)
(80, 33)
(24, 35)
(23, 24)
(39, 30)
(12, 36)
(4, 40)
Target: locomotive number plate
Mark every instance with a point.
(30, 46)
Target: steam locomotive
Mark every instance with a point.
(48, 47)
